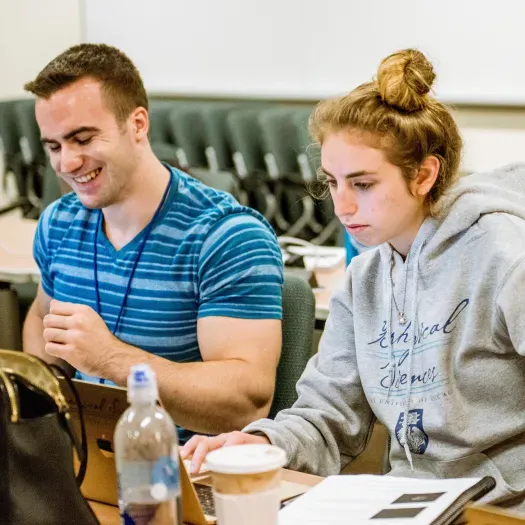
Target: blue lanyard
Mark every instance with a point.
(149, 227)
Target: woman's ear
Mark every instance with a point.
(426, 176)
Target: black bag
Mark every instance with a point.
(38, 485)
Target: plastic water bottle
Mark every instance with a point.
(147, 460)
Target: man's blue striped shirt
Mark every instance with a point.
(206, 255)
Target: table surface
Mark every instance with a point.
(109, 515)
(16, 250)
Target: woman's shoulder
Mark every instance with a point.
(501, 234)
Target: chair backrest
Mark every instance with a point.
(51, 190)
(187, 128)
(29, 132)
(9, 129)
(310, 161)
(219, 146)
(280, 138)
(10, 145)
(298, 329)
(159, 125)
(309, 152)
(246, 136)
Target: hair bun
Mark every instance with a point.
(404, 80)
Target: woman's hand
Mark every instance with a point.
(199, 446)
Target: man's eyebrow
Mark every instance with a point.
(72, 133)
(351, 175)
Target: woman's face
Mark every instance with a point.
(371, 198)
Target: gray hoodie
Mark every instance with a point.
(462, 413)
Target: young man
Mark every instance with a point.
(141, 263)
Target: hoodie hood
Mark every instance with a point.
(499, 191)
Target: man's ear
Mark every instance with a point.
(426, 176)
(140, 124)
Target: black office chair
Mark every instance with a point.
(248, 157)
(13, 163)
(325, 225)
(298, 328)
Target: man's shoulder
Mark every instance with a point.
(204, 199)
(64, 209)
(206, 209)
(61, 216)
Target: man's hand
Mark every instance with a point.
(79, 336)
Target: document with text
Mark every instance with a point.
(384, 500)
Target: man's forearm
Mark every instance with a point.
(207, 397)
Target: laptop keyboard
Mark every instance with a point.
(205, 495)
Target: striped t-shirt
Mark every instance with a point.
(206, 255)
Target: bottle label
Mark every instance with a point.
(149, 480)
(149, 492)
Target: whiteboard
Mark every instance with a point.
(311, 49)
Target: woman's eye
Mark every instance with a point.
(332, 183)
(84, 141)
(53, 147)
(363, 185)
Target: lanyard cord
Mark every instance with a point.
(149, 227)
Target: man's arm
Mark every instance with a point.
(33, 330)
(230, 388)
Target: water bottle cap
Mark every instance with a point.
(142, 383)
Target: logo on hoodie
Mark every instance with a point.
(417, 438)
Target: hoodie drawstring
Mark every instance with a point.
(391, 359)
(404, 430)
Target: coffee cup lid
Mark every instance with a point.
(246, 459)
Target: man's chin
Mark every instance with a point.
(90, 204)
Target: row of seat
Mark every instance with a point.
(260, 152)
(265, 145)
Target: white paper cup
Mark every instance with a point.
(246, 481)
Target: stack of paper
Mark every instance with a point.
(380, 500)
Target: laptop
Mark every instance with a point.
(102, 407)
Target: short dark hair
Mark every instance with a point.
(120, 79)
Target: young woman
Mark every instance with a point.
(428, 333)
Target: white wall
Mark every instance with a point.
(487, 148)
(314, 49)
(311, 49)
(32, 32)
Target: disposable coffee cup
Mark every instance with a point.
(246, 483)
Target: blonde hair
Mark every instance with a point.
(396, 114)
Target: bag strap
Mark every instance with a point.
(80, 447)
